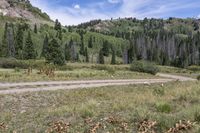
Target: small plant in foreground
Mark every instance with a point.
(180, 126)
(163, 107)
(198, 77)
(159, 91)
(197, 117)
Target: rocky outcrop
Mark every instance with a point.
(22, 9)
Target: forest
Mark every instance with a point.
(171, 42)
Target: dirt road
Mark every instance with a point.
(11, 88)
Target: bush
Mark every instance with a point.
(107, 68)
(12, 63)
(198, 77)
(163, 107)
(17, 69)
(194, 68)
(197, 117)
(159, 91)
(143, 66)
(66, 67)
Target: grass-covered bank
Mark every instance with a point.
(109, 109)
(38, 70)
(20, 75)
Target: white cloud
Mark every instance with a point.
(70, 15)
(114, 1)
(77, 6)
(129, 8)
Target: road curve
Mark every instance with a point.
(12, 88)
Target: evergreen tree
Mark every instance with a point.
(82, 50)
(101, 57)
(131, 54)
(35, 29)
(113, 61)
(196, 26)
(10, 41)
(78, 58)
(0, 49)
(67, 51)
(19, 42)
(4, 46)
(45, 46)
(59, 34)
(29, 51)
(54, 53)
(57, 25)
(90, 42)
(86, 55)
(106, 47)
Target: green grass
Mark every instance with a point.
(95, 72)
(179, 71)
(35, 112)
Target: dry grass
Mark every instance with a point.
(12, 75)
(106, 109)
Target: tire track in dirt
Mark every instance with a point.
(12, 88)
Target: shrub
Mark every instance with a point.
(163, 107)
(198, 77)
(194, 68)
(159, 91)
(12, 63)
(66, 67)
(197, 117)
(143, 66)
(107, 68)
(17, 69)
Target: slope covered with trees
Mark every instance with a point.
(172, 41)
(23, 41)
(167, 42)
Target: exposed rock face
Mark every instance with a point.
(20, 9)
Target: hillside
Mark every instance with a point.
(120, 25)
(172, 41)
(22, 9)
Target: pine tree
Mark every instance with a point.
(19, 42)
(45, 46)
(54, 53)
(106, 47)
(113, 61)
(0, 49)
(86, 55)
(59, 34)
(131, 54)
(101, 57)
(10, 41)
(35, 29)
(29, 50)
(67, 52)
(57, 25)
(4, 46)
(82, 49)
(90, 42)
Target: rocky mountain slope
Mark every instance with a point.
(22, 9)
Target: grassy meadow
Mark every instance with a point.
(70, 71)
(105, 109)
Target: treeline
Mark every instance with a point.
(173, 41)
(165, 42)
(17, 42)
(165, 48)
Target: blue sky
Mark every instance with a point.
(73, 12)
